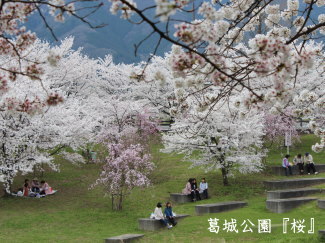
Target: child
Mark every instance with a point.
(159, 215)
(204, 188)
(26, 181)
(169, 214)
(26, 189)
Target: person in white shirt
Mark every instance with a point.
(160, 216)
(308, 159)
(299, 161)
(204, 188)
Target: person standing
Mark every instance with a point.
(298, 160)
(169, 214)
(204, 188)
(286, 165)
(308, 159)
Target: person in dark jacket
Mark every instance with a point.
(169, 214)
(195, 191)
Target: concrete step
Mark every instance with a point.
(182, 198)
(290, 193)
(322, 234)
(124, 238)
(218, 207)
(293, 183)
(154, 224)
(285, 205)
(278, 170)
(321, 203)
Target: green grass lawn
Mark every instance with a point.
(76, 214)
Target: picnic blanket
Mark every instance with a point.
(33, 195)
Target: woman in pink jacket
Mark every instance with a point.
(187, 190)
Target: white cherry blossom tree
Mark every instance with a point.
(27, 135)
(229, 138)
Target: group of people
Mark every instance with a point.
(302, 162)
(35, 188)
(167, 218)
(192, 189)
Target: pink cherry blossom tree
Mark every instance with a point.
(126, 167)
(278, 125)
(126, 132)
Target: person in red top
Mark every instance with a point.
(26, 188)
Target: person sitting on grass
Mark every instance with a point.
(195, 191)
(26, 181)
(159, 216)
(26, 189)
(45, 189)
(204, 188)
(310, 166)
(35, 185)
(187, 190)
(169, 214)
(286, 165)
(298, 160)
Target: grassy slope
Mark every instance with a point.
(76, 214)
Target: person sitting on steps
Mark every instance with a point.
(187, 190)
(204, 188)
(286, 165)
(169, 214)
(298, 160)
(195, 193)
(310, 166)
(159, 216)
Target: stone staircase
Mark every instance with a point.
(281, 201)
(289, 193)
(293, 183)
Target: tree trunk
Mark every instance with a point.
(225, 176)
(120, 202)
(117, 200)
(112, 201)
(6, 194)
